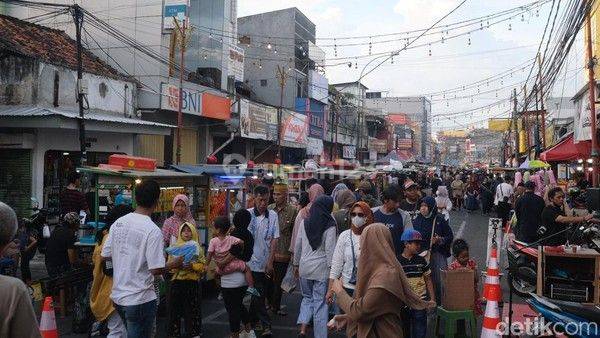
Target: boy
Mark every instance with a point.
(418, 272)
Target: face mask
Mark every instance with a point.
(358, 221)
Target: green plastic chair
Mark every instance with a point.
(450, 319)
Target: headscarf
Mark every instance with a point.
(337, 190)
(539, 185)
(319, 220)
(442, 191)
(345, 198)
(551, 177)
(518, 178)
(172, 224)
(378, 268)
(431, 204)
(314, 191)
(369, 218)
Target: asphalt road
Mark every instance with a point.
(470, 226)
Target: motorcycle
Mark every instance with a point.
(523, 257)
(573, 319)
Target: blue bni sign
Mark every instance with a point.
(175, 10)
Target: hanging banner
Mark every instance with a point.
(379, 146)
(314, 147)
(294, 127)
(253, 122)
(216, 107)
(349, 152)
(236, 63)
(582, 120)
(271, 119)
(315, 110)
(191, 99)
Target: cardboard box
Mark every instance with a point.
(458, 293)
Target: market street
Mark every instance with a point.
(472, 227)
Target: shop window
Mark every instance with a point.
(263, 83)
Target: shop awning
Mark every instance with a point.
(213, 170)
(567, 150)
(31, 116)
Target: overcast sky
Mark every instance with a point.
(450, 65)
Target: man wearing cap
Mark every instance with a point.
(418, 273)
(528, 209)
(365, 194)
(286, 215)
(412, 195)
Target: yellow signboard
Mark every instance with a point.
(500, 125)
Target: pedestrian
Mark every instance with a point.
(100, 304)
(471, 202)
(435, 183)
(366, 194)
(71, 199)
(181, 214)
(314, 249)
(234, 285)
(457, 191)
(345, 200)
(314, 191)
(443, 202)
(334, 194)
(503, 200)
(264, 227)
(135, 247)
(60, 248)
(412, 195)
(28, 239)
(418, 273)
(185, 291)
(17, 318)
(438, 237)
(528, 211)
(487, 196)
(382, 288)
(286, 214)
(393, 217)
(344, 263)
(460, 251)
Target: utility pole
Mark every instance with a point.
(78, 17)
(591, 62)
(282, 78)
(516, 124)
(182, 42)
(526, 118)
(336, 124)
(543, 110)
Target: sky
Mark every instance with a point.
(452, 64)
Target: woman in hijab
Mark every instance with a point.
(345, 200)
(335, 193)
(437, 236)
(181, 214)
(314, 191)
(314, 248)
(443, 202)
(381, 289)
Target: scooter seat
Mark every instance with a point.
(588, 312)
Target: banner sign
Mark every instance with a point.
(318, 86)
(174, 9)
(272, 125)
(314, 146)
(236, 63)
(191, 100)
(349, 152)
(315, 110)
(253, 122)
(582, 120)
(380, 146)
(294, 127)
(216, 107)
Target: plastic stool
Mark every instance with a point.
(451, 317)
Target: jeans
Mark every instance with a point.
(273, 286)
(418, 323)
(116, 327)
(314, 305)
(233, 297)
(138, 319)
(258, 309)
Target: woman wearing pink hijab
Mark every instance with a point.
(314, 191)
(181, 214)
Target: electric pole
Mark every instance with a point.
(78, 18)
(516, 125)
(282, 78)
(543, 110)
(591, 62)
(182, 42)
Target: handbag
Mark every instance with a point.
(353, 276)
(427, 253)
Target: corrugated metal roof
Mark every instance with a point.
(37, 111)
(213, 170)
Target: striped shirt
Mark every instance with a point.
(416, 269)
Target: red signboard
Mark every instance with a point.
(398, 119)
(216, 107)
(132, 162)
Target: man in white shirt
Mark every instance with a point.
(264, 227)
(135, 248)
(503, 199)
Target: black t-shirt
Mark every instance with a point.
(395, 223)
(549, 216)
(411, 208)
(61, 239)
(529, 208)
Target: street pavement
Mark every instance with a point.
(470, 226)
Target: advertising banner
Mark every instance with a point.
(253, 122)
(349, 152)
(294, 127)
(216, 107)
(236, 63)
(403, 143)
(191, 99)
(582, 120)
(271, 118)
(174, 10)
(318, 86)
(314, 146)
(315, 111)
(380, 146)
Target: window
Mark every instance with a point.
(263, 83)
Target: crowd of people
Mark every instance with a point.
(365, 259)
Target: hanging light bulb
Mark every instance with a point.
(210, 35)
(510, 27)
(522, 17)
(447, 104)
(303, 53)
(334, 47)
(205, 57)
(480, 25)
(269, 46)
(275, 50)
(356, 65)
(537, 13)
(487, 23)
(392, 59)
(429, 49)
(370, 45)
(443, 39)
(469, 40)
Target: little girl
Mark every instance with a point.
(219, 247)
(460, 250)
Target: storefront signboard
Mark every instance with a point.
(253, 122)
(294, 127)
(191, 99)
(314, 146)
(349, 152)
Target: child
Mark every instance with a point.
(185, 287)
(219, 247)
(460, 250)
(418, 272)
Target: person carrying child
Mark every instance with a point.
(185, 292)
(418, 273)
(460, 251)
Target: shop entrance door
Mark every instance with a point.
(15, 180)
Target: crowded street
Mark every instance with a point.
(299, 168)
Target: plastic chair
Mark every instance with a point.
(451, 318)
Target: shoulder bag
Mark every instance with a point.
(427, 253)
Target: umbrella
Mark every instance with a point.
(524, 165)
(538, 164)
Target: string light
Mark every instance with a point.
(429, 49)
(469, 40)
(522, 17)
(510, 27)
(269, 46)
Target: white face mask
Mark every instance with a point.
(358, 221)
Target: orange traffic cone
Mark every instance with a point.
(48, 320)
(493, 294)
